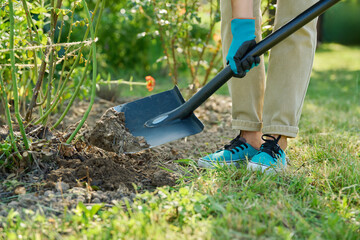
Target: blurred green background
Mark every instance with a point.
(341, 23)
(166, 38)
(129, 43)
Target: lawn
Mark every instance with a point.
(317, 198)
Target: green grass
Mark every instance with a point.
(317, 198)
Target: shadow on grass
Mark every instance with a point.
(339, 83)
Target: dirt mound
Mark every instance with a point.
(97, 158)
(110, 134)
(100, 173)
(91, 174)
(107, 173)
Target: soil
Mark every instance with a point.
(95, 169)
(110, 134)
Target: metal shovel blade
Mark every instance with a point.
(138, 112)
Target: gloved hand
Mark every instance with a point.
(243, 31)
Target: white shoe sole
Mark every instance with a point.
(258, 167)
(208, 164)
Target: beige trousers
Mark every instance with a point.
(274, 106)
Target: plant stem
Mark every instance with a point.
(49, 88)
(74, 94)
(67, 50)
(173, 53)
(37, 86)
(121, 81)
(43, 66)
(94, 62)
(212, 63)
(8, 116)
(204, 48)
(29, 22)
(51, 63)
(163, 41)
(188, 56)
(13, 76)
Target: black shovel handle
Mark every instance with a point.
(260, 48)
(263, 46)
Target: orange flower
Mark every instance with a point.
(150, 83)
(216, 37)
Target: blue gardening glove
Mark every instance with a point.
(243, 31)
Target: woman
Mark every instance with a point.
(265, 115)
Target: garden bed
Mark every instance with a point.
(63, 175)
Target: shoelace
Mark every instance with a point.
(270, 146)
(236, 144)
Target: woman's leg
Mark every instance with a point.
(290, 66)
(247, 93)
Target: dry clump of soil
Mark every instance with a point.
(110, 134)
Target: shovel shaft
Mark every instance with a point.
(223, 76)
(263, 46)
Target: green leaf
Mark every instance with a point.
(30, 54)
(184, 191)
(43, 40)
(38, 10)
(94, 209)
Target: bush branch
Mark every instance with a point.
(13, 76)
(94, 65)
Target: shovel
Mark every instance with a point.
(165, 117)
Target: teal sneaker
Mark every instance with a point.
(232, 154)
(270, 158)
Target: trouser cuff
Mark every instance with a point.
(246, 125)
(288, 131)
